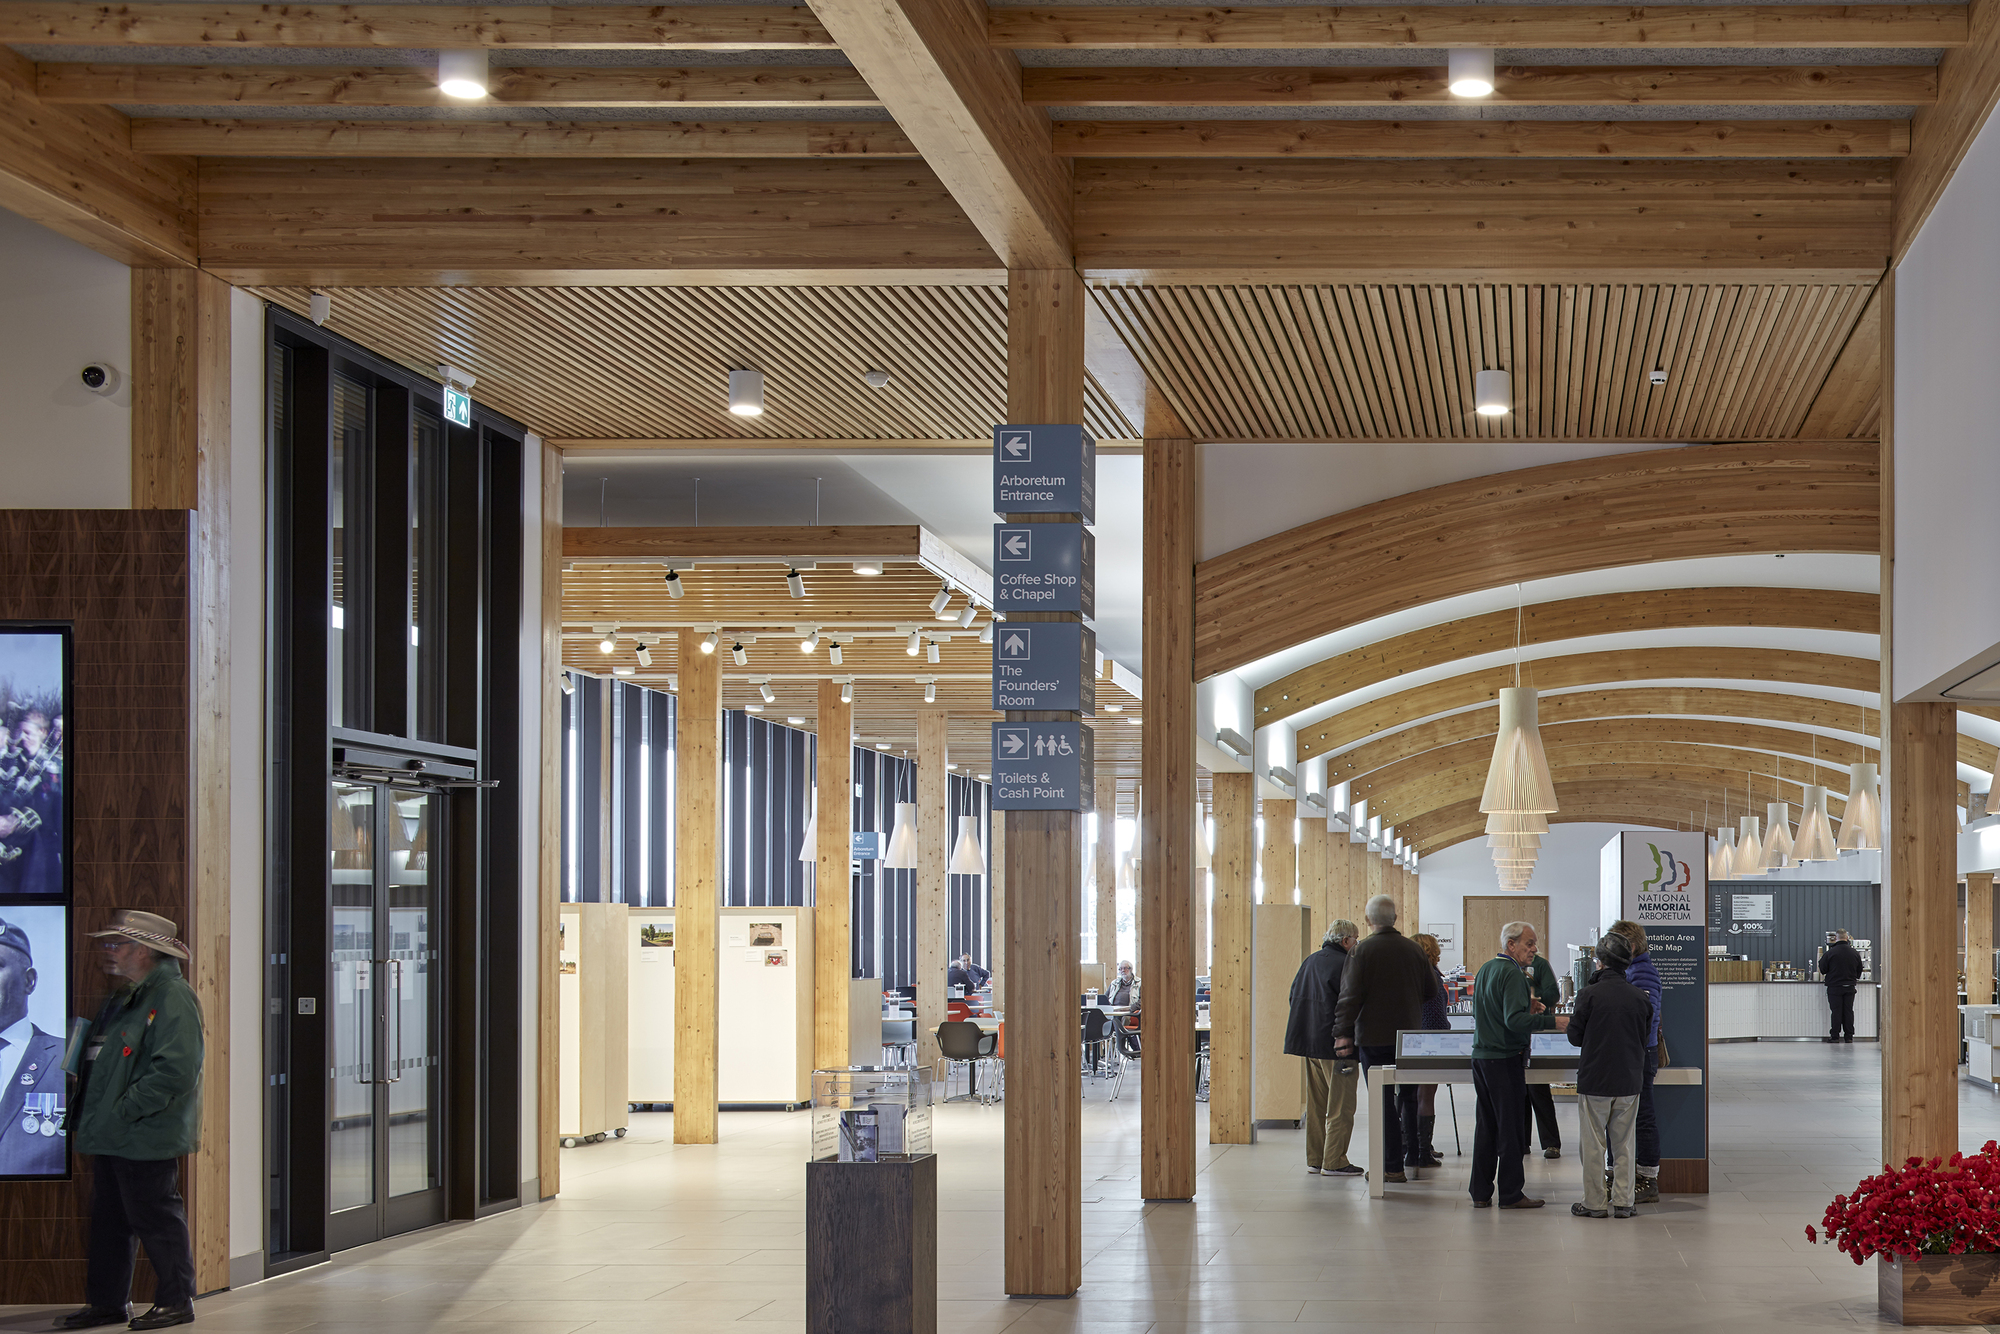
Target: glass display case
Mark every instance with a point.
(870, 1113)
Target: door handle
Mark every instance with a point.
(397, 1004)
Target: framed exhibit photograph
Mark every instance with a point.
(34, 1018)
(765, 934)
(34, 818)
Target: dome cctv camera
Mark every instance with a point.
(100, 378)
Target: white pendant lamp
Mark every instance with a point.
(1777, 842)
(1815, 841)
(902, 851)
(809, 845)
(1749, 847)
(1518, 783)
(1861, 825)
(1722, 862)
(966, 858)
(1202, 861)
(746, 393)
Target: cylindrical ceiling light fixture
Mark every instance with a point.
(986, 633)
(940, 602)
(462, 74)
(746, 393)
(902, 853)
(1861, 823)
(916, 644)
(847, 692)
(1493, 393)
(933, 655)
(833, 654)
(764, 689)
(1518, 782)
(930, 692)
(737, 654)
(645, 654)
(1471, 73)
(810, 642)
(1749, 847)
(1778, 841)
(710, 640)
(966, 858)
(796, 583)
(675, 588)
(1815, 841)
(968, 616)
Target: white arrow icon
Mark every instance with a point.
(1015, 544)
(1014, 446)
(1011, 743)
(1015, 644)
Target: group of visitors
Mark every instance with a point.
(1354, 994)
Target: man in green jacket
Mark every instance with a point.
(1504, 1013)
(1541, 1101)
(139, 1112)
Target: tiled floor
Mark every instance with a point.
(649, 1237)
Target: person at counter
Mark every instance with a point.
(1503, 1015)
(1841, 967)
(1646, 1135)
(1609, 1024)
(1383, 990)
(965, 973)
(1330, 1081)
(1541, 1100)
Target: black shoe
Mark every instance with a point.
(1648, 1191)
(1556, 1152)
(1348, 1171)
(1482, 1204)
(1829, 1039)
(90, 1318)
(1523, 1203)
(1394, 1176)
(1626, 1212)
(165, 1317)
(1848, 1038)
(1581, 1212)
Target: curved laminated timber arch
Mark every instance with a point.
(1586, 801)
(1534, 523)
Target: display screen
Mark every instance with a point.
(1453, 1046)
(34, 902)
(1551, 1044)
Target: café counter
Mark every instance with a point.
(1748, 1010)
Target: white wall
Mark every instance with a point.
(1567, 872)
(61, 307)
(1947, 435)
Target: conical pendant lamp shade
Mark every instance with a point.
(809, 845)
(1722, 862)
(902, 853)
(1861, 826)
(1201, 858)
(1778, 843)
(1749, 846)
(1518, 781)
(966, 858)
(1815, 841)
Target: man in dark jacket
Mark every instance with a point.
(140, 1112)
(1610, 1023)
(1504, 1014)
(1383, 989)
(1330, 1081)
(1541, 1100)
(1841, 967)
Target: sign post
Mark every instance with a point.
(1659, 879)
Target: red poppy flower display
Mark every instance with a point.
(1924, 1207)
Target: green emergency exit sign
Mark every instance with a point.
(457, 406)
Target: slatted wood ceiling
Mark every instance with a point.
(1396, 361)
(653, 362)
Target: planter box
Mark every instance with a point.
(1941, 1289)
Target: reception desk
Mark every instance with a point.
(1744, 1011)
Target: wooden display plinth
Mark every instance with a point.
(1940, 1289)
(871, 1247)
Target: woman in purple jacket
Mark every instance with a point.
(1643, 975)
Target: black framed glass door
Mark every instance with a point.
(384, 1115)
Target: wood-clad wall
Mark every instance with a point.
(933, 889)
(1229, 1120)
(833, 898)
(1979, 938)
(1279, 855)
(697, 892)
(123, 579)
(1919, 1020)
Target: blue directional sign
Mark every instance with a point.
(867, 846)
(1044, 665)
(1044, 470)
(1045, 567)
(1042, 767)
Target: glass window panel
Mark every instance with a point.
(410, 960)
(351, 1114)
(427, 565)
(347, 510)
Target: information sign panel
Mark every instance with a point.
(1045, 567)
(1041, 767)
(1044, 665)
(867, 846)
(1050, 469)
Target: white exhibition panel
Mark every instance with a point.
(651, 1006)
(1739, 1010)
(569, 1019)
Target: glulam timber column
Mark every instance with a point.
(1166, 825)
(697, 889)
(1105, 872)
(832, 880)
(1312, 876)
(1280, 855)
(1200, 907)
(1044, 1106)
(1979, 938)
(1920, 1020)
(996, 864)
(933, 890)
(1229, 1119)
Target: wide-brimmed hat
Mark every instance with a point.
(149, 929)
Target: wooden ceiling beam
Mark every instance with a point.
(74, 171)
(1305, 27)
(1516, 87)
(1191, 221)
(1464, 537)
(522, 139)
(1849, 403)
(570, 221)
(732, 86)
(1615, 802)
(1567, 618)
(959, 100)
(832, 542)
(1681, 140)
(420, 27)
(1968, 90)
